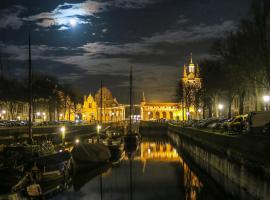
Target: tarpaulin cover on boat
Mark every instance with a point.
(90, 153)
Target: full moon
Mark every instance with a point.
(73, 22)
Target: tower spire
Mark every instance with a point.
(143, 97)
(185, 72)
(191, 62)
(198, 71)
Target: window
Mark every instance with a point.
(191, 68)
(90, 105)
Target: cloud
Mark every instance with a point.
(133, 4)
(193, 33)
(63, 13)
(105, 30)
(10, 17)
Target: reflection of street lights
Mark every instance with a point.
(220, 108)
(266, 100)
(63, 132)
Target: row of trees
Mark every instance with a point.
(48, 94)
(240, 62)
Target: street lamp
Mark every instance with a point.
(149, 113)
(63, 132)
(188, 114)
(98, 130)
(266, 99)
(220, 108)
(44, 116)
(77, 141)
(3, 113)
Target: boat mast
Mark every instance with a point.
(101, 102)
(130, 101)
(30, 100)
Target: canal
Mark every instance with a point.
(156, 171)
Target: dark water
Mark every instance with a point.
(157, 172)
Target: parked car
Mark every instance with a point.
(236, 123)
(266, 129)
(257, 121)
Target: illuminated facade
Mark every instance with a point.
(182, 110)
(111, 109)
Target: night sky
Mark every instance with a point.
(81, 42)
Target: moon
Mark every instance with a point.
(73, 22)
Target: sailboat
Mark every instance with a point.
(131, 140)
(90, 156)
(33, 168)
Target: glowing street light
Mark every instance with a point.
(98, 130)
(38, 113)
(220, 106)
(3, 114)
(19, 118)
(266, 99)
(199, 110)
(63, 132)
(77, 141)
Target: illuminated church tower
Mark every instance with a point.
(191, 83)
(191, 75)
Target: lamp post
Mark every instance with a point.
(266, 100)
(61, 116)
(98, 130)
(77, 141)
(220, 108)
(3, 114)
(44, 116)
(63, 133)
(199, 111)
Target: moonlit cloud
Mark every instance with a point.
(62, 14)
(11, 17)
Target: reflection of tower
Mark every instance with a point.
(191, 83)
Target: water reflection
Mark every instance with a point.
(155, 171)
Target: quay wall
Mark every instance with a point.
(239, 164)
